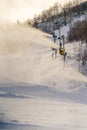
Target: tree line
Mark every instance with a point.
(78, 32)
(56, 13)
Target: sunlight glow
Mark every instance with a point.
(23, 9)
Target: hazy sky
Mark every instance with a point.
(11, 10)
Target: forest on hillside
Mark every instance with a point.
(58, 16)
(50, 18)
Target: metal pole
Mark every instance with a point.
(63, 41)
(59, 35)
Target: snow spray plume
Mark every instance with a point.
(21, 48)
(25, 56)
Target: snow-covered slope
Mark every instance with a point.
(36, 90)
(64, 30)
(25, 56)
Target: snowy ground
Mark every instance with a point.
(38, 92)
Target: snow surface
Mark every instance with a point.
(38, 92)
(65, 29)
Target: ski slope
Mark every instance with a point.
(36, 90)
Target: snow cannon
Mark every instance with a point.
(62, 51)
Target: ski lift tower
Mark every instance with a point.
(63, 37)
(65, 16)
(58, 26)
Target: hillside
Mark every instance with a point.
(57, 15)
(36, 90)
